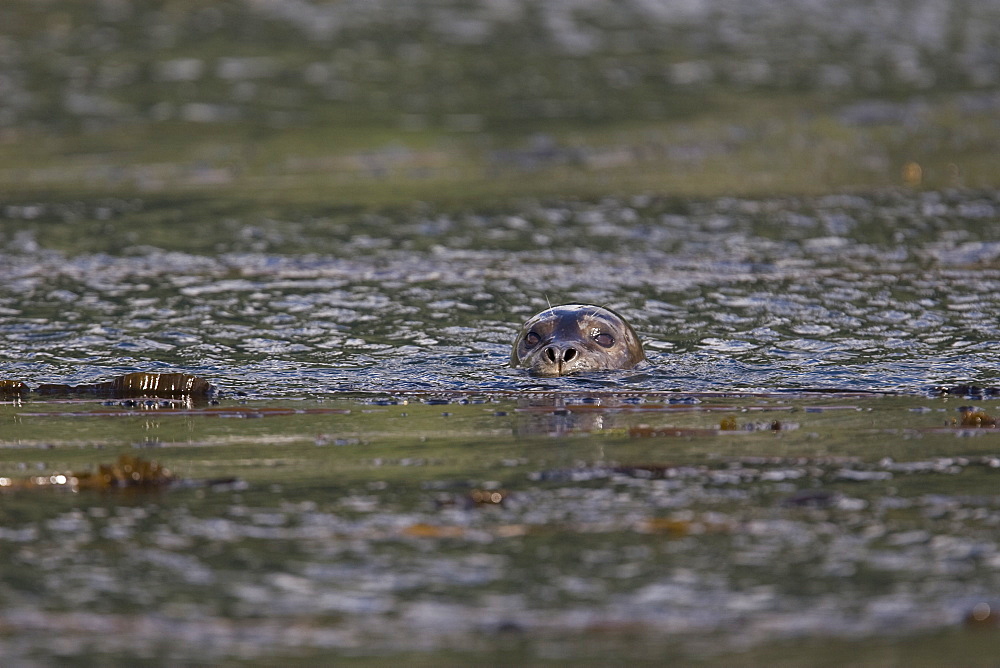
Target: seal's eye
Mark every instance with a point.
(604, 339)
(531, 339)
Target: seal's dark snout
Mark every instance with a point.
(557, 355)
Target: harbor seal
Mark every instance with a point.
(576, 337)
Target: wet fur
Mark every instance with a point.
(574, 325)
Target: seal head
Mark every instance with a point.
(576, 337)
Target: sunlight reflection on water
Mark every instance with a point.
(756, 305)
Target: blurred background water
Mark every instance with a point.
(369, 102)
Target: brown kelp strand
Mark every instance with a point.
(127, 472)
(137, 384)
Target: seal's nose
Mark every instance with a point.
(559, 356)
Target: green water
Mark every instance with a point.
(353, 527)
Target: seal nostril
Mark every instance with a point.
(569, 354)
(550, 353)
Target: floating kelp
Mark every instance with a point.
(127, 472)
(137, 384)
(973, 417)
(424, 530)
(131, 408)
(487, 497)
(967, 391)
(10, 388)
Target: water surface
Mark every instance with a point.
(889, 292)
(373, 480)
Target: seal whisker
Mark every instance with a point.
(598, 308)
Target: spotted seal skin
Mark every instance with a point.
(576, 337)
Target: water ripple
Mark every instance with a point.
(723, 297)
